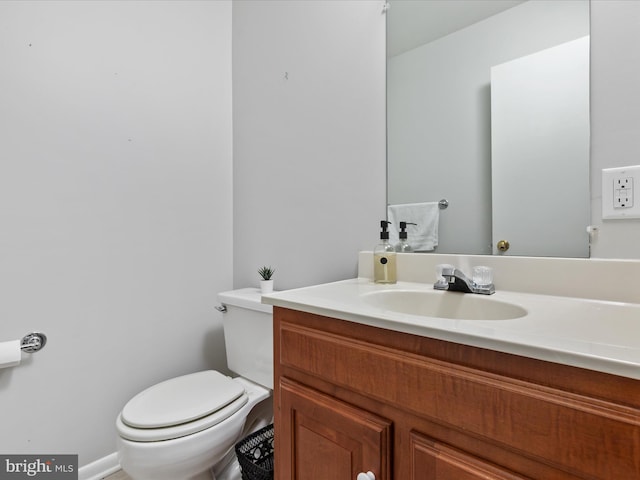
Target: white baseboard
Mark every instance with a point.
(100, 468)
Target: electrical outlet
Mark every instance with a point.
(618, 192)
(622, 192)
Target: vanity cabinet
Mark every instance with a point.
(351, 398)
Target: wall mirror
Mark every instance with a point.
(488, 108)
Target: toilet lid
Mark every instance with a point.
(181, 400)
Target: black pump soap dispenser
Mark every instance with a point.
(384, 258)
(403, 245)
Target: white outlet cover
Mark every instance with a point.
(610, 210)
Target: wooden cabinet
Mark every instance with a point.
(351, 398)
(328, 438)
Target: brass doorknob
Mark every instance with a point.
(503, 245)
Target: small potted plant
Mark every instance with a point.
(266, 284)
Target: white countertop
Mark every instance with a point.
(593, 334)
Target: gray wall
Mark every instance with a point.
(309, 137)
(615, 115)
(116, 186)
(115, 190)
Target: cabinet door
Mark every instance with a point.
(432, 460)
(321, 438)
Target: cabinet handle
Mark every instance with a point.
(366, 476)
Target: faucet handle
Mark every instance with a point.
(442, 270)
(482, 276)
(448, 270)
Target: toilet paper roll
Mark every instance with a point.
(10, 354)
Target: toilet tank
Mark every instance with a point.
(248, 335)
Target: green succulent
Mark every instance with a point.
(266, 273)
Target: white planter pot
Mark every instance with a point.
(266, 286)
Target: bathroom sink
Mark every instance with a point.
(453, 305)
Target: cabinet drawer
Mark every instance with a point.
(432, 460)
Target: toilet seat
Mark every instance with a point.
(180, 406)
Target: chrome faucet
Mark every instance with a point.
(455, 281)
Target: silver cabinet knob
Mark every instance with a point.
(366, 476)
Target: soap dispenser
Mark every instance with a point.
(384, 258)
(403, 246)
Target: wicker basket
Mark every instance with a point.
(255, 455)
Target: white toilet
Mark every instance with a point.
(186, 428)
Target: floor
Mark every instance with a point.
(118, 476)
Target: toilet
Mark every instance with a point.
(186, 428)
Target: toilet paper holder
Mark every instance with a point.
(33, 342)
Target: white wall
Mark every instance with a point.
(115, 208)
(615, 115)
(309, 137)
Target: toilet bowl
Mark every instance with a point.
(185, 428)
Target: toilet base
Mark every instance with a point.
(230, 472)
(203, 476)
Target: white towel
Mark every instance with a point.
(424, 235)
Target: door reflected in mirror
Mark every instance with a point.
(492, 113)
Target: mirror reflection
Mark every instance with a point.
(488, 109)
